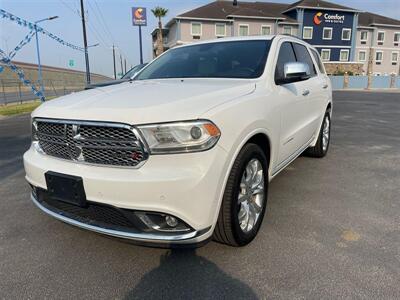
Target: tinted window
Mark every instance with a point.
(286, 54)
(238, 59)
(133, 71)
(318, 60)
(303, 55)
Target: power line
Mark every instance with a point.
(104, 21)
(108, 30)
(100, 22)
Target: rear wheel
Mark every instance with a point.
(322, 146)
(245, 198)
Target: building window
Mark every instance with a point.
(243, 29)
(381, 37)
(346, 34)
(220, 29)
(327, 33)
(265, 30)
(195, 29)
(378, 57)
(287, 30)
(307, 33)
(364, 37)
(395, 58)
(396, 38)
(344, 55)
(362, 55)
(326, 54)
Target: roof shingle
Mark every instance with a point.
(225, 9)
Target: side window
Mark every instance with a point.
(303, 55)
(286, 54)
(318, 60)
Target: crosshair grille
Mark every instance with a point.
(91, 142)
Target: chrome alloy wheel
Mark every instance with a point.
(251, 195)
(326, 133)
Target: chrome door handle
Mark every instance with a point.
(325, 86)
(306, 92)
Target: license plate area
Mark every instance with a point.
(66, 188)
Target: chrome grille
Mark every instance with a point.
(90, 142)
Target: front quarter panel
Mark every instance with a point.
(241, 119)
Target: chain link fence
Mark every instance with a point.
(13, 91)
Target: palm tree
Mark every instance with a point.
(159, 13)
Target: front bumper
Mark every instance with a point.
(187, 186)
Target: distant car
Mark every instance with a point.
(128, 76)
(186, 152)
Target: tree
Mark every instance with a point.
(159, 13)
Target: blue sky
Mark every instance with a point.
(116, 28)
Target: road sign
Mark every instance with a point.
(71, 63)
(139, 16)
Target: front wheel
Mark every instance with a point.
(245, 198)
(321, 147)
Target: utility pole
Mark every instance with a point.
(140, 44)
(125, 64)
(122, 67)
(85, 44)
(115, 70)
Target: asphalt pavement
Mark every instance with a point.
(332, 229)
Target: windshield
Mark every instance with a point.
(133, 71)
(235, 59)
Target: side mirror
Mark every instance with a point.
(295, 71)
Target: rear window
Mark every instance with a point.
(318, 60)
(303, 56)
(236, 59)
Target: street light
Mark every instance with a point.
(40, 80)
(95, 45)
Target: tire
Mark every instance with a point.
(321, 147)
(228, 229)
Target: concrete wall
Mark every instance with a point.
(53, 78)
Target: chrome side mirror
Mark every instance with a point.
(295, 71)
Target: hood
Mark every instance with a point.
(150, 101)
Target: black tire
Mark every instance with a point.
(318, 150)
(227, 230)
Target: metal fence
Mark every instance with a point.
(361, 82)
(12, 91)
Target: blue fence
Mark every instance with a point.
(361, 82)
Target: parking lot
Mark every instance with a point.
(332, 229)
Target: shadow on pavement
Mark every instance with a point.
(184, 275)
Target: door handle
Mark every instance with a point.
(306, 92)
(325, 86)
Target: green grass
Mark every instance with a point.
(16, 109)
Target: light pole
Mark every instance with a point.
(40, 80)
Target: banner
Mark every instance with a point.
(33, 26)
(21, 76)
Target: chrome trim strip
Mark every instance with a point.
(144, 237)
(140, 140)
(291, 158)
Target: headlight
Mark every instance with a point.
(34, 137)
(180, 137)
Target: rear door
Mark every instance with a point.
(324, 83)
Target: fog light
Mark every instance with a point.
(162, 222)
(171, 221)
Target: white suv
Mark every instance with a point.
(184, 152)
